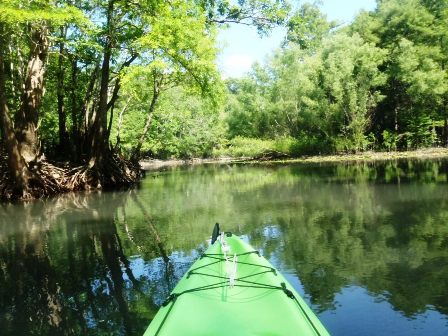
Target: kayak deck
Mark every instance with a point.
(258, 302)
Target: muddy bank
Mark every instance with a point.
(429, 153)
(150, 165)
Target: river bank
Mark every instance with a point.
(427, 153)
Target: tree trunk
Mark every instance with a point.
(100, 140)
(28, 178)
(113, 99)
(85, 122)
(27, 117)
(156, 92)
(12, 71)
(17, 167)
(104, 168)
(120, 121)
(445, 131)
(111, 119)
(74, 133)
(63, 135)
(145, 129)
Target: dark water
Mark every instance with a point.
(365, 244)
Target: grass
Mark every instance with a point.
(297, 151)
(426, 153)
(241, 147)
(248, 150)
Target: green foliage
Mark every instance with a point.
(263, 14)
(308, 26)
(390, 140)
(192, 129)
(421, 132)
(245, 147)
(247, 105)
(15, 12)
(325, 97)
(184, 125)
(381, 82)
(413, 33)
(181, 55)
(254, 147)
(419, 70)
(351, 77)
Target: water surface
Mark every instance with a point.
(366, 245)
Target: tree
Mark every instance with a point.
(326, 96)
(308, 26)
(350, 77)
(248, 105)
(262, 14)
(412, 32)
(21, 138)
(176, 56)
(380, 80)
(440, 11)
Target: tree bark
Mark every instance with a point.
(74, 132)
(85, 122)
(100, 140)
(27, 117)
(113, 99)
(12, 70)
(445, 127)
(145, 131)
(73, 97)
(63, 135)
(117, 85)
(156, 92)
(17, 167)
(120, 120)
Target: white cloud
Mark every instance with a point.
(236, 65)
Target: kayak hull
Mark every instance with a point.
(258, 302)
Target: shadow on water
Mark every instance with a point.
(359, 241)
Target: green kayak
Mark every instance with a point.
(232, 290)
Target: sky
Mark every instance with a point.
(241, 45)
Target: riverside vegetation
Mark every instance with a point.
(88, 88)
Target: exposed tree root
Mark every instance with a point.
(115, 172)
(44, 179)
(47, 179)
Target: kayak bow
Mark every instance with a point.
(232, 290)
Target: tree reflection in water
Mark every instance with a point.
(103, 263)
(64, 270)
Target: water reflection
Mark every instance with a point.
(65, 269)
(357, 240)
